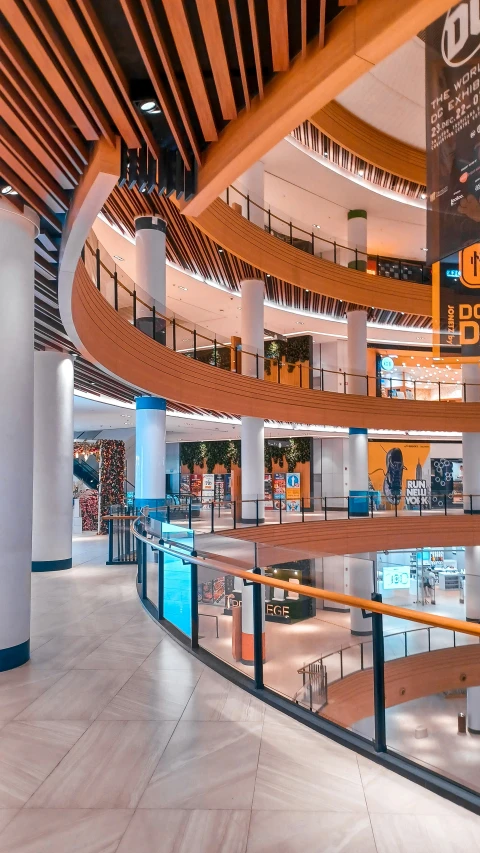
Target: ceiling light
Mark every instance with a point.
(423, 195)
(148, 105)
(220, 250)
(299, 323)
(424, 250)
(360, 172)
(118, 258)
(180, 287)
(268, 275)
(6, 190)
(315, 226)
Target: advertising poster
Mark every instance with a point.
(391, 465)
(453, 130)
(453, 176)
(228, 487)
(208, 487)
(185, 484)
(268, 491)
(279, 491)
(293, 492)
(219, 487)
(196, 485)
(446, 482)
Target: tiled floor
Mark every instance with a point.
(115, 740)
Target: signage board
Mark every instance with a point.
(396, 577)
(387, 363)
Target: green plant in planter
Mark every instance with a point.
(193, 453)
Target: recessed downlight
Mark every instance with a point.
(148, 105)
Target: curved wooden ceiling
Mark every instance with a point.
(370, 144)
(115, 344)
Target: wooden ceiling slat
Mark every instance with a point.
(303, 24)
(182, 37)
(26, 34)
(212, 33)
(256, 46)
(25, 156)
(43, 156)
(131, 14)
(170, 74)
(111, 61)
(239, 49)
(93, 67)
(68, 162)
(46, 108)
(71, 69)
(321, 26)
(278, 18)
(11, 158)
(31, 198)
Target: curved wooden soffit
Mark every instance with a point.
(351, 699)
(371, 144)
(357, 535)
(247, 241)
(130, 355)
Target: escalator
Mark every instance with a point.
(84, 472)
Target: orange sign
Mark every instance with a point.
(470, 266)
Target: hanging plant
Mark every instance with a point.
(193, 453)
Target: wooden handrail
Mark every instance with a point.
(471, 628)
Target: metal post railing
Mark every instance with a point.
(212, 517)
(134, 307)
(194, 604)
(257, 633)
(378, 650)
(115, 290)
(98, 267)
(154, 335)
(174, 335)
(194, 343)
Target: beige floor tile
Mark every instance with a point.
(65, 831)
(426, 833)
(6, 815)
(301, 770)
(206, 765)
(309, 832)
(28, 753)
(79, 695)
(168, 655)
(63, 652)
(145, 697)
(389, 793)
(120, 652)
(20, 687)
(109, 767)
(215, 698)
(186, 831)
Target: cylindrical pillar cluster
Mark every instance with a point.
(17, 234)
(150, 451)
(52, 472)
(357, 383)
(357, 239)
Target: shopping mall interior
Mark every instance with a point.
(240, 373)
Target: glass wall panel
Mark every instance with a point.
(177, 578)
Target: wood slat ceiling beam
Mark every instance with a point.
(180, 29)
(28, 163)
(321, 27)
(28, 194)
(171, 77)
(358, 38)
(212, 33)
(76, 36)
(239, 49)
(47, 110)
(42, 58)
(256, 47)
(131, 13)
(278, 19)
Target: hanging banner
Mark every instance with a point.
(453, 130)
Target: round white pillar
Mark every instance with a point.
(357, 239)
(150, 451)
(52, 462)
(17, 234)
(150, 274)
(472, 583)
(357, 383)
(473, 710)
(252, 429)
(360, 571)
(252, 184)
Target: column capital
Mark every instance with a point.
(357, 214)
(150, 223)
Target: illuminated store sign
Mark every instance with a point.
(387, 363)
(396, 578)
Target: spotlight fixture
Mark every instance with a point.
(220, 250)
(8, 190)
(360, 172)
(315, 226)
(148, 106)
(118, 258)
(423, 195)
(180, 287)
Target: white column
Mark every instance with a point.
(471, 441)
(360, 583)
(150, 274)
(472, 583)
(17, 233)
(150, 450)
(52, 468)
(358, 437)
(252, 429)
(357, 239)
(252, 184)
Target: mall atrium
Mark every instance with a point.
(240, 377)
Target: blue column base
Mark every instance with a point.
(51, 565)
(14, 656)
